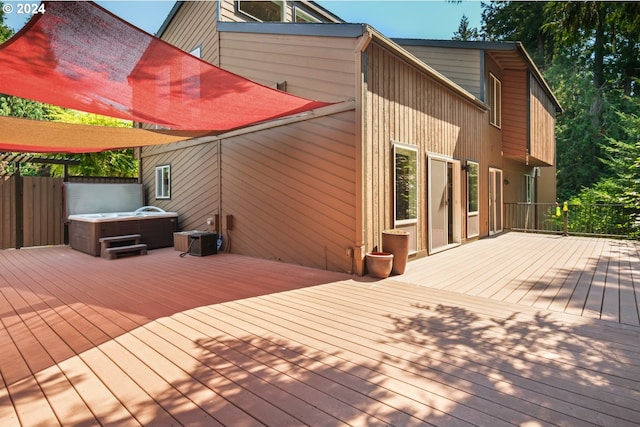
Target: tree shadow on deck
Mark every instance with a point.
(523, 368)
(56, 302)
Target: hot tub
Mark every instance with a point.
(155, 226)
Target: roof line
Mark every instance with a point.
(488, 45)
(291, 28)
(441, 78)
(169, 18)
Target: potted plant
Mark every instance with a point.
(379, 264)
(396, 242)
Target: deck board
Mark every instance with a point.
(517, 329)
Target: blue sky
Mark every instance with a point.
(430, 19)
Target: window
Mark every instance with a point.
(163, 182)
(406, 184)
(494, 100)
(473, 198)
(197, 52)
(472, 187)
(301, 15)
(266, 11)
(528, 188)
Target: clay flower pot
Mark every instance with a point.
(379, 264)
(396, 242)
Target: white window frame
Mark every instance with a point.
(405, 221)
(473, 215)
(298, 11)
(494, 100)
(163, 182)
(528, 188)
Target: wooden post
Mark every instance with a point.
(19, 208)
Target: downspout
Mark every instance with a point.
(362, 197)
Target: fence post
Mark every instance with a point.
(19, 206)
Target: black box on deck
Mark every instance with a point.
(202, 244)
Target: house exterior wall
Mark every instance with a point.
(414, 109)
(195, 180)
(319, 190)
(459, 65)
(515, 132)
(314, 67)
(291, 191)
(542, 124)
(493, 136)
(514, 181)
(195, 25)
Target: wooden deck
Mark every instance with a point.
(520, 329)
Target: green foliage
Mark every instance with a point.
(589, 53)
(464, 32)
(5, 32)
(120, 163)
(24, 108)
(577, 133)
(519, 21)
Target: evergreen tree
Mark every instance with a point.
(588, 51)
(519, 21)
(464, 32)
(5, 32)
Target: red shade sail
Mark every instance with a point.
(78, 55)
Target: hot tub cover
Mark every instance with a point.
(78, 55)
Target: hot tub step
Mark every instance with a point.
(113, 239)
(137, 249)
(128, 244)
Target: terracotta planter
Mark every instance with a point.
(396, 242)
(379, 264)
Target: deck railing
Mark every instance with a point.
(610, 220)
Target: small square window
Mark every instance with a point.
(163, 182)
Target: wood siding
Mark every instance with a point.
(462, 66)
(41, 212)
(542, 124)
(405, 105)
(8, 212)
(195, 25)
(321, 68)
(194, 180)
(291, 191)
(514, 115)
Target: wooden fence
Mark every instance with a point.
(32, 209)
